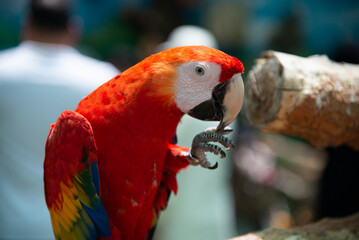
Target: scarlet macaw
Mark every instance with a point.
(121, 136)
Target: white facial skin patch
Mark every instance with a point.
(196, 81)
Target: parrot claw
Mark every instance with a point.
(200, 147)
(204, 163)
(225, 131)
(193, 161)
(214, 166)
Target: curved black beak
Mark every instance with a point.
(224, 105)
(212, 109)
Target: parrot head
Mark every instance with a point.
(208, 84)
(216, 92)
(200, 81)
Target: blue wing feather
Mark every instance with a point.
(98, 216)
(95, 177)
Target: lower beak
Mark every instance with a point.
(224, 105)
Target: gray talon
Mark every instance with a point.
(214, 166)
(193, 161)
(225, 131)
(201, 145)
(207, 147)
(213, 137)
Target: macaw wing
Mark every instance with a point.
(72, 187)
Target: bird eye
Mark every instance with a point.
(199, 70)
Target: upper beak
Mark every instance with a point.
(224, 105)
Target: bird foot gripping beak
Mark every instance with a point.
(224, 105)
(201, 145)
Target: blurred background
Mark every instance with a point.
(268, 180)
(126, 31)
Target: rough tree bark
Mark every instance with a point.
(314, 99)
(326, 229)
(311, 98)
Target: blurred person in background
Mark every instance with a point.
(203, 207)
(39, 79)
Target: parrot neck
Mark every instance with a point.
(131, 106)
(155, 117)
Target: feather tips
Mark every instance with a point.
(175, 162)
(71, 180)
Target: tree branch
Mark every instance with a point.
(326, 229)
(311, 98)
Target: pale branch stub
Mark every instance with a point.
(312, 98)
